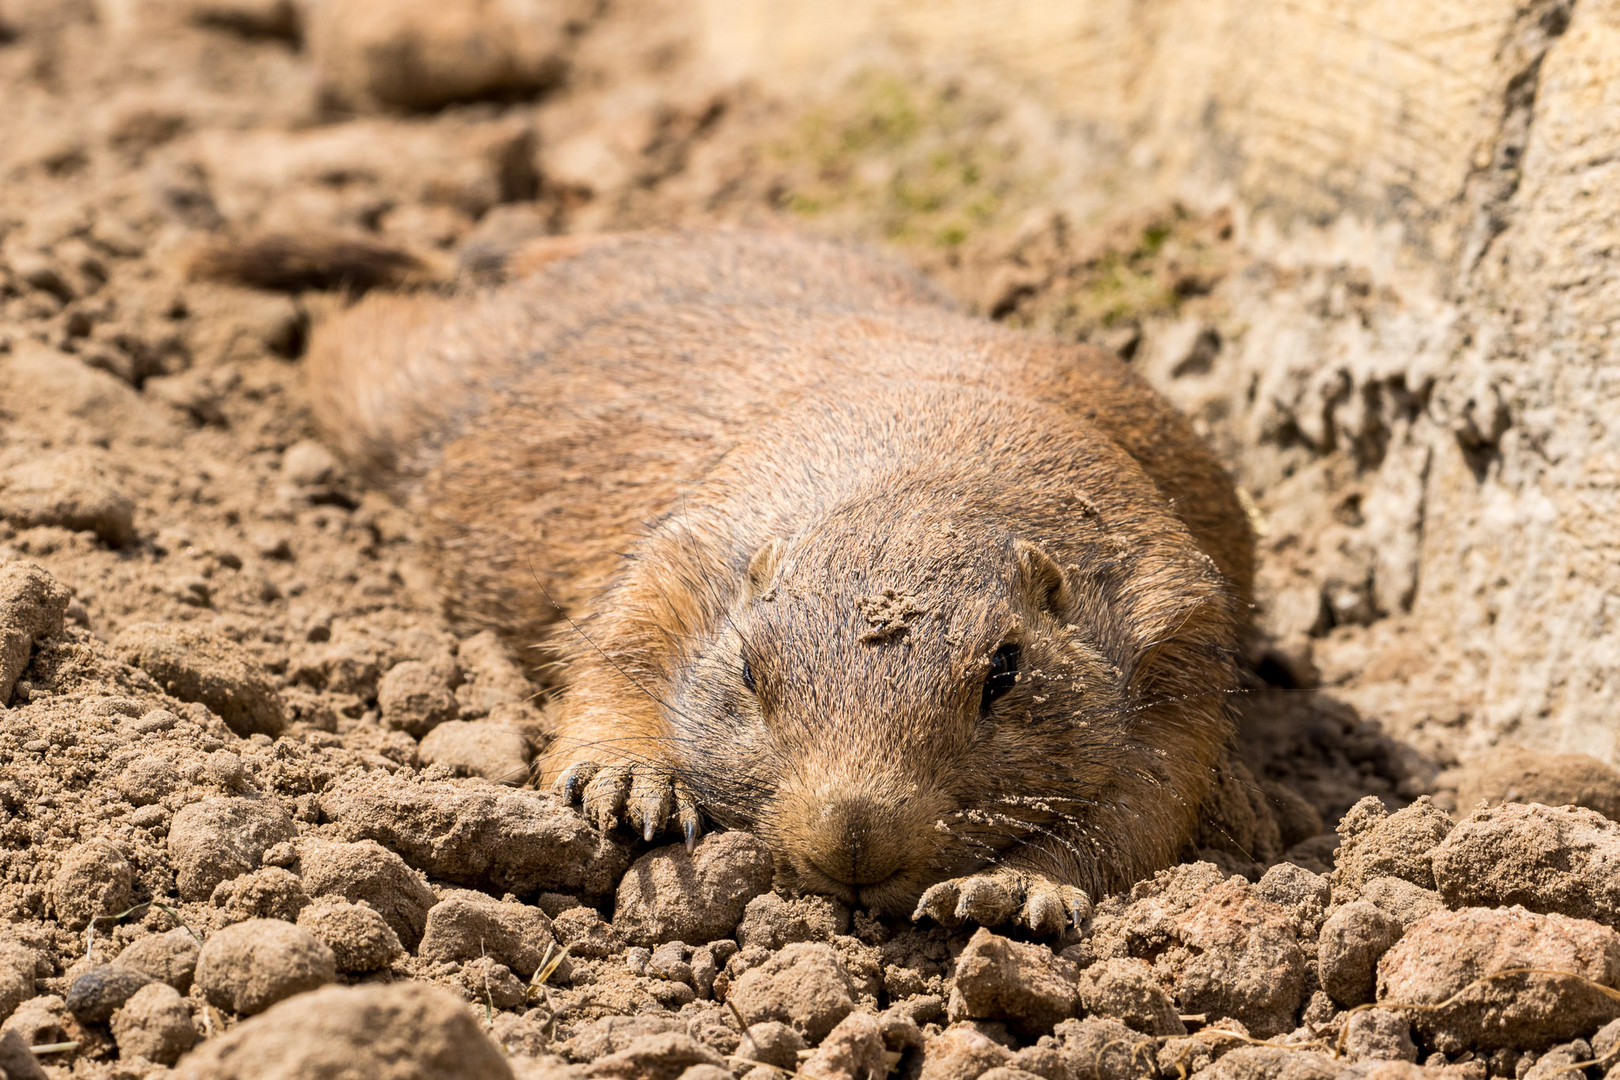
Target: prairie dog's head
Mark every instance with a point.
(892, 703)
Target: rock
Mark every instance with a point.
(853, 1050)
(472, 834)
(1444, 953)
(415, 54)
(1353, 940)
(93, 881)
(218, 839)
(672, 895)
(772, 1043)
(248, 967)
(803, 985)
(770, 921)
(194, 663)
(1026, 985)
(653, 1057)
(961, 1051)
(402, 1031)
(32, 604)
(479, 748)
(1514, 774)
(268, 893)
(1379, 1035)
(75, 489)
(1375, 843)
(96, 993)
(169, 957)
(466, 925)
(154, 1024)
(360, 939)
(17, 1062)
(415, 697)
(1125, 989)
(1564, 860)
(366, 872)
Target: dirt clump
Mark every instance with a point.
(249, 966)
(804, 985)
(360, 939)
(212, 841)
(168, 957)
(1447, 954)
(475, 834)
(1546, 859)
(493, 751)
(671, 894)
(368, 873)
(1353, 940)
(32, 604)
(155, 1024)
(466, 924)
(405, 1032)
(1024, 985)
(1520, 775)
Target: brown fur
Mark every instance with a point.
(711, 449)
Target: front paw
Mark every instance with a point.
(642, 795)
(1003, 895)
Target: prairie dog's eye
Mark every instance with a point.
(748, 676)
(1003, 675)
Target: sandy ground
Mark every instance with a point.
(246, 757)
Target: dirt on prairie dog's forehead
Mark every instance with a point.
(262, 810)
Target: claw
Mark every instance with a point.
(1043, 910)
(990, 899)
(573, 781)
(651, 801)
(688, 814)
(1001, 896)
(605, 796)
(939, 902)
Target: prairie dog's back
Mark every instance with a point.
(397, 375)
(540, 426)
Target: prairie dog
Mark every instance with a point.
(943, 611)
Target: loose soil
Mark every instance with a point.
(262, 807)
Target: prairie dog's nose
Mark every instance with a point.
(852, 843)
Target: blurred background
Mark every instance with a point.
(1369, 247)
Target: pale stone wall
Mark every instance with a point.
(1425, 390)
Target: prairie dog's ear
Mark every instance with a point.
(1043, 577)
(762, 567)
